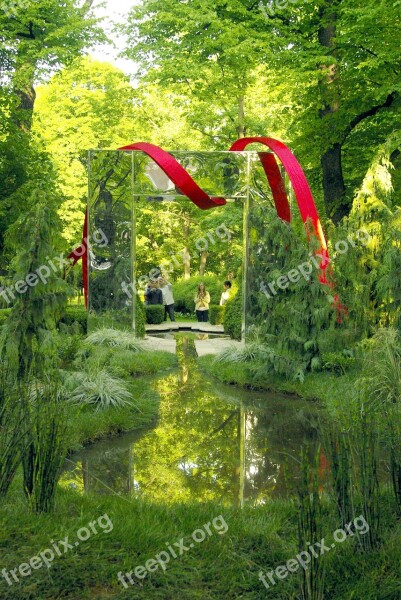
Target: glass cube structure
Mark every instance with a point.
(125, 187)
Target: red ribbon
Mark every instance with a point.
(187, 186)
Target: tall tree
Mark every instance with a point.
(339, 60)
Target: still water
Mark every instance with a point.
(210, 442)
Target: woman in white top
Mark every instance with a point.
(226, 294)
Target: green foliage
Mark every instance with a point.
(291, 320)
(98, 389)
(114, 338)
(216, 314)
(4, 314)
(185, 290)
(337, 362)
(76, 314)
(140, 318)
(68, 347)
(154, 314)
(12, 434)
(28, 339)
(46, 450)
(233, 317)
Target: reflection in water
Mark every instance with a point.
(211, 442)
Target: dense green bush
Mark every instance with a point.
(140, 318)
(216, 314)
(185, 289)
(233, 317)
(76, 314)
(154, 314)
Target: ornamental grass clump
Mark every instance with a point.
(115, 338)
(99, 389)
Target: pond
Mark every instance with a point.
(211, 442)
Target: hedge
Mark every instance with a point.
(76, 314)
(79, 314)
(216, 314)
(233, 317)
(140, 318)
(154, 314)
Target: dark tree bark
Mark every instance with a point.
(333, 183)
(332, 173)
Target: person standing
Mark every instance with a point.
(154, 294)
(168, 299)
(226, 293)
(202, 301)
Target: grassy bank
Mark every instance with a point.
(315, 386)
(86, 426)
(225, 565)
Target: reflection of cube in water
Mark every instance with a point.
(122, 187)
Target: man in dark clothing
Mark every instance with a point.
(153, 294)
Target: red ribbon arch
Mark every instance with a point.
(184, 182)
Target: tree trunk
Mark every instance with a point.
(23, 85)
(333, 183)
(333, 179)
(241, 130)
(187, 263)
(202, 266)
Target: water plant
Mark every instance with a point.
(310, 526)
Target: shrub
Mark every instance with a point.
(154, 314)
(216, 314)
(338, 362)
(140, 318)
(76, 314)
(68, 345)
(185, 289)
(233, 317)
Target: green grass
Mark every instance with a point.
(316, 386)
(87, 426)
(222, 567)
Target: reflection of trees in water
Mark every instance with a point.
(206, 445)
